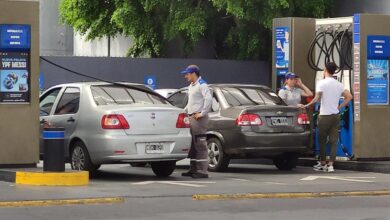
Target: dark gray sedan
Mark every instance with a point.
(249, 121)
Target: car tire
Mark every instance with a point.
(163, 168)
(218, 160)
(138, 164)
(80, 159)
(286, 162)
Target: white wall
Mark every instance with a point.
(99, 48)
(55, 39)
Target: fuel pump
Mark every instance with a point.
(333, 42)
(360, 46)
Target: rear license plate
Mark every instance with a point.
(279, 121)
(154, 148)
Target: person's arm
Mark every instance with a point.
(306, 92)
(316, 98)
(347, 98)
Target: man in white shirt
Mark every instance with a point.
(329, 91)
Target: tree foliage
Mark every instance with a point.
(239, 29)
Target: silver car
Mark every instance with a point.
(107, 123)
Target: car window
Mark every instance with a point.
(47, 101)
(242, 96)
(106, 95)
(236, 97)
(264, 96)
(215, 105)
(69, 102)
(179, 99)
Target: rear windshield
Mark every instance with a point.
(107, 95)
(241, 96)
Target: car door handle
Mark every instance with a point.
(71, 120)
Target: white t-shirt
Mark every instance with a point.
(331, 91)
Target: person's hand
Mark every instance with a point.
(299, 82)
(198, 116)
(301, 106)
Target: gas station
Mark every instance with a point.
(360, 46)
(19, 91)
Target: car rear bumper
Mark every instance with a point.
(268, 144)
(126, 148)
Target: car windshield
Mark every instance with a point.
(109, 94)
(242, 96)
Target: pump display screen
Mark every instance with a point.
(14, 77)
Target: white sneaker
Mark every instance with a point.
(319, 167)
(328, 169)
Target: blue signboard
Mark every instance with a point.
(150, 81)
(282, 50)
(378, 47)
(15, 36)
(377, 82)
(281, 72)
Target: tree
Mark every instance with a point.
(240, 29)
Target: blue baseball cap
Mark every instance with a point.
(191, 69)
(290, 75)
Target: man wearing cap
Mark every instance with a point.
(198, 106)
(293, 90)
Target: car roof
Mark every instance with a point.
(238, 85)
(231, 85)
(97, 83)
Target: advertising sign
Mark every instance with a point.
(15, 36)
(14, 77)
(378, 47)
(282, 50)
(377, 82)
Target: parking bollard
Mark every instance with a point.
(54, 149)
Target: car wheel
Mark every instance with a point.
(218, 160)
(286, 161)
(163, 168)
(138, 164)
(80, 159)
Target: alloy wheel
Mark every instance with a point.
(78, 158)
(213, 152)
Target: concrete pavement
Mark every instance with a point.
(131, 183)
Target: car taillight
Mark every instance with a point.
(114, 121)
(183, 121)
(303, 119)
(248, 120)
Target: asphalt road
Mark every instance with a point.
(148, 197)
(367, 208)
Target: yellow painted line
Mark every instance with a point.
(69, 178)
(290, 195)
(11, 204)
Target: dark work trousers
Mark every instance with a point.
(328, 126)
(198, 153)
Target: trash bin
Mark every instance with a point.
(53, 149)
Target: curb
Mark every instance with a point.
(290, 195)
(69, 178)
(13, 204)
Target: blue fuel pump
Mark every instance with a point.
(344, 149)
